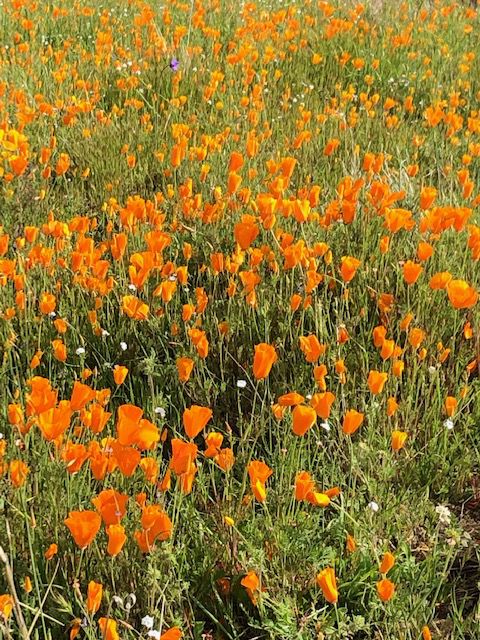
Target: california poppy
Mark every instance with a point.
(259, 473)
(264, 358)
(84, 526)
(398, 440)
(94, 597)
(116, 539)
(327, 582)
(352, 421)
(195, 420)
(387, 563)
(461, 294)
(385, 589)
(304, 418)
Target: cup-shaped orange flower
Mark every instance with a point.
(349, 267)
(322, 403)
(387, 563)
(83, 526)
(328, 584)
(184, 367)
(398, 440)
(385, 589)
(451, 404)
(119, 374)
(108, 627)
(251, 583)
(259, 473)
(461, 294)
(376, 381)
(352, 421)
(290, 399)
(111, 505)
(411, 272)
(116, 539)
(94, 597)
(311, 348)
(195, 419)
(264, 358)
(303, 419)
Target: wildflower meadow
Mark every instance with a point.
(239, 320)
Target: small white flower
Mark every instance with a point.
(154, 634)
(309, 396)
(373, 506)
(444, 514)
(448, 424)
(80, 351)
(241, 384)
(123, 346)
(147, 621)
(52, 314)
(132, 287)
(160, 411)
(1, 436)
(325, 425)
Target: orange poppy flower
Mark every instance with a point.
(290, 399)
(327, 582)
(47, 303)
(385, 589)
(18, 471)
(251, 583)
(352, 421)
(411, 272)
(184, 368)
(195, 419)
(134, 308)
(82, 394)
(264, 358)
(461, 294)
(311, 348)
(111, 505)
(440, 280)
(349, 268)
(387, 563)
(116, 539)
(119, 374)
(183, 455)
(84, 526)
(376, 381)
(6, 606)
(108, 627)
(94, 597)
(259, 473)
(304, 418)
(51, 551)
(322, 403)
(398, 440)
(451, 404)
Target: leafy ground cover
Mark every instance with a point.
(240, 339)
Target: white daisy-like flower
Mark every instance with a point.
(325, 425)
(160, 411)
(52, 314)
(448, 424)
(80, 351)
(147, 622)
(241, 384)
(373, 506)
(132, 287)
(154, 634)
(123, 346)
